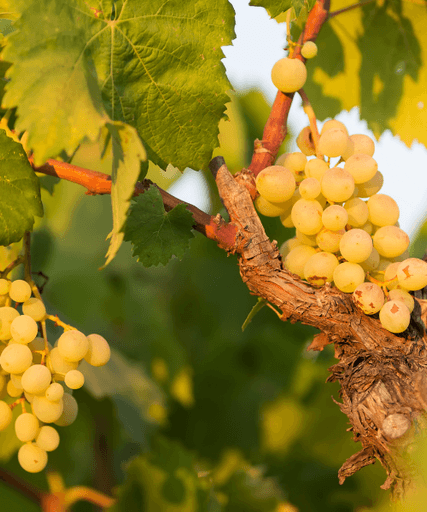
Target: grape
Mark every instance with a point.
(12, 390)
(45, 410)
(54, 392)
(4, 286)
(403, 296)
(316, 168)
(48, 438)
(289, 75)
(16, 358)
(74, 379)
(335, 217)
(36, 379)
(20, 291)
(284, 250)
(26, 427)
(378, 273)
(32, 458)
(295, 162)
(23, 329)
(357, 212)
(7, 315)
(17, 380)
(297, 258)
(368, 227)
(69, 414)
(337, 185)
(348, 276)
(309, 50)
(333, 142)
(268, 209)
(307, 216)
(73, 345)
(356, 245)
(5, 415)
(309, 188)
(369, 297)
(328, 240)
(99, 352)
(362, 167)
(359, 143)
(276, 184)
(319, 269)
(390, 241)
(286, 216)
(333, 124)
(371, 263)
(412, 274)
(371, 187)
(390, 275)
(306, 239)
(34, 308)
(3, 383)
(383, 210)
(395, 316)
(58, 365)
(305, 142)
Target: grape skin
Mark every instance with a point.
(54, 392)
(319, 269)
(328, 240)
(70, 411)
(7, 316)
(36, 379)
(297, 258)
(23, 329)
(289, 75)
(335, 217)
(395, 316)
(305, 142)
(309, 50)
(337, 185)
(359, 143)
(20, 291)
(402, 296)
(362, 167)
(356, 245)
(276, 184)
(73, 345)
(74, 379)
(99, 352)
(45, 410)
(348, 276)
(383, 210)
(26, 427)
(358, 212)
(371, 187)
(48, 438)
(34, 308)
(390, 241)
(32, 458)
(412, 274)
(333, 124)
(307, 216)
(369, 298)
(333, 142)
(16, 358)
(268, 209)
(316, 168)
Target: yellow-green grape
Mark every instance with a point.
(403, 296)
(17, 380)
(356, 245)
(362, 167)
(288, 245)
(289, 75)
(390, 241)
(319, 269)
(371, 187)
(36, 379)
(316, 168)
(70, 411)
(307, 216)
(357, 212)
(412, 274)
(23, 329)
(359, 143)
(369, 297)
(4, 286)
(328, 240)
(333, 124)
(306, 239)
(16, 358)
(26, 427)
(295, 162)
(309, 188)
(58, 365)
(337, 185)
(368, 227)
(309, 50)
(73, 345)
(372, 261)
(12, 390)
(390, 275)
(286, 216)
(7, 316)
(74, 379)
(19, 291)
(34, 308)
(268, 209)
(54, 392)
(32, 458)
(333, 142)
(48, 438)
(383, 210)
(5, 415)
(276, 184)
(335, 217)
(348, 276)
(305, 142)
(395, 316)
(45, 410)
(297, 258)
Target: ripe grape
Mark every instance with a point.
(412, 274)
(54, 392)
(383, 210)
(348, 276)
(5, 415)
(36, 379)
(34, 308)
(357, 212)
(289, 75)
(307, 216)
(73, 345)
(319, 269)
(12, 390)
(48, 438)
(395, 316)
(70, 411)
(284, 250)
(390, 275)
(316, 168)
(58, 365)
(295, 162)
(297, 258)
(333, 124)
(32, 458)
(16, 358)
(328, 240)
(372, 186)
(403, 296)
(23, 329)
(335, 217)
(390, 241)
(337, 185)
(309, 188)
(276, 184)
(7, 316)
(26, 427)
(17, 380)
(306, 239)
(356, 245)
(309, 50)
(268, 209)
(45, 410)
(369, 297)
(305, 142)
(371, 263)
(20, 291)
(4, 286)
(99, 352)
(333, 142)
(359, 143)
(362, 167)
(74, 379)
(368, 227)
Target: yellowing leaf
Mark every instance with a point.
(182, 388)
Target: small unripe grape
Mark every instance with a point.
(309, 50)
(289, 75)
(20, 291)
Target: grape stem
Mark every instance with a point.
(308, 109)
(59, 322)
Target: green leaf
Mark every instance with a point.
(275, 8)
(128, 156)
(157, 235)
(53, 79)
(48, 183)
(19, 192)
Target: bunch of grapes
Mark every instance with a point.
(347, 233)
(40, 378)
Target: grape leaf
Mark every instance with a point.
(375, 58)
(157, 235)
(275, 8)
(128, 156)
(19, 192)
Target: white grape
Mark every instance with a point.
(390, 241)
(333, 142)
(383, 210)
(395, 316)
(295, 162)
(70, 411)
(309, 50)
(319, 269)
(403, 296)
(34, 308)
(74, 379)
(328, 240)
(362, 167)
(54, 392)
(297, 258)
(7, 316)
(307, 216)
(337, 185)
(5, 415)
(48, 438)
(358, 212)
(412, 274)
(356, 245)
(284, 250)
(36, 379)
(23, 329)
(32, 458)
(333, 124)
(73, 345)
(335, 217)
(268, 209)
(26, 427)
(369, 297)
(348, 276)
(45, 410)
(4, 286)
(371, 187)
(316, 168)
(276, 184)
(99, 352)
(359, 143)
(58, 365)
(20, 291)
(16, 358)
(305, 142)
(289, 75)
(309, 188)
(12, 390)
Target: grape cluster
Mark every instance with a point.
(346, 231)
(37, 375)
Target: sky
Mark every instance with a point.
(258, 45)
